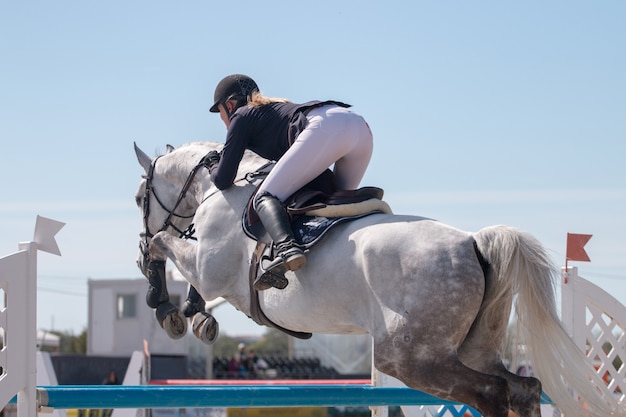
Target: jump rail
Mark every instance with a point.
(201, 396)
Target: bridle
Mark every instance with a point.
(171, 213)
(189, 232)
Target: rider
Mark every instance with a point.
(305, 139)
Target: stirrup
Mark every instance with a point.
(273, 276)
(289, 258)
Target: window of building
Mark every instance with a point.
(126, 306)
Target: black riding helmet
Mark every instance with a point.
(235, 86)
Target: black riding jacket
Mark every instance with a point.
(268, 131)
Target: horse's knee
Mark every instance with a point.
(158, 244)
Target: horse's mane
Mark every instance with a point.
(213, 145)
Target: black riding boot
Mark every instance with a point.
(289, 256)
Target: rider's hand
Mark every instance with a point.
(212, 158)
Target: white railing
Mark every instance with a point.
(597, 323)
(18, 318)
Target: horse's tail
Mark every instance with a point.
(519, 265)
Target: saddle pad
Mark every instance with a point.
(309, 230)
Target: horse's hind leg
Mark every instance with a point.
(525, 396)
(482, 350)
(443, 375)
(478, 353)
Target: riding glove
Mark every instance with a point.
(212, 159)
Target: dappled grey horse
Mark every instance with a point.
(436, 300)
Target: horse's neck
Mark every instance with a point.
(217, 224)
(203, 187)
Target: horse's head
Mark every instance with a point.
(162, 200)
(170, 192)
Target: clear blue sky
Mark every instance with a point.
(483, 112)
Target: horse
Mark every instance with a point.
(435, 299)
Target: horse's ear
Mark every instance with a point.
(144, 160)
(170, 148)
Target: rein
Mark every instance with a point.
(189, 232)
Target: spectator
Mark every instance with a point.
(111, 379)
(251, 364)
(234, 366)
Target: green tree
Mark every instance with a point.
(273, 342)
(224, 346)
(69, 343)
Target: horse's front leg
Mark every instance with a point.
(183, 255)
(168, 315)
(181, 252)
(152, 264)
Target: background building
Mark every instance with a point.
(119, 319)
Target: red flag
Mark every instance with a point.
(576, 247)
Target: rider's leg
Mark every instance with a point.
(276, 222)
(350, 168)
(334, 135)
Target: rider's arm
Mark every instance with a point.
(223, 173)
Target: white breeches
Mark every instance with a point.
(334, 135)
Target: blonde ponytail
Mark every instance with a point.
(258, 100)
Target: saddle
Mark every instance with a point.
(313, 211)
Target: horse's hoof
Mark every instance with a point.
(171, 320)
(205, 327)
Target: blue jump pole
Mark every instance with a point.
(194, 396)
